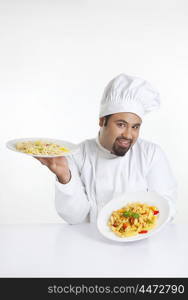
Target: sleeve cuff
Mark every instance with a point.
(67, 188)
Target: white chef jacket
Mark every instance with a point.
(97, 176)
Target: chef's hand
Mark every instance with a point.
(59, 166)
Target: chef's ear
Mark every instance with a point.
(101, 121)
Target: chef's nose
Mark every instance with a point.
(127, 133)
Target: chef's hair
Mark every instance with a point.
(106, 118)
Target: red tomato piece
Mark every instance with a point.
(156, 212)
(124, 226)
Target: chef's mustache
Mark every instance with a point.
(122, 138)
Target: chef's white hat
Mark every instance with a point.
(129, 94)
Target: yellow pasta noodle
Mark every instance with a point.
(133, 219)
(40, 148)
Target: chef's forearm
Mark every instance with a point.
(71, 201)
(161, 179)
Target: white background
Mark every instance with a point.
(56, 57)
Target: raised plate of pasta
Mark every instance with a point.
(42, 147)
(134, 216)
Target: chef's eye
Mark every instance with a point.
(121, 124)
(136, 127)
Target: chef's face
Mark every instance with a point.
(120, 133)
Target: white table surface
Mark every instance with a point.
(62, 250)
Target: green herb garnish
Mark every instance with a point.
(127, 214)
(135, 215)
(131, 214)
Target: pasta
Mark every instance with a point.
(40, 148)
(133, 219)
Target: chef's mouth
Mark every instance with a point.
(124, 143)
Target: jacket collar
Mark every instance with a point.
(106, 152)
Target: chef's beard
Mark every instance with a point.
(121, 151)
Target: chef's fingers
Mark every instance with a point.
(36, 158)
(44, 161)
(40, 159)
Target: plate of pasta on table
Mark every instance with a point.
(42, 147)
(133, 216)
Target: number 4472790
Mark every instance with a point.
(162, 289)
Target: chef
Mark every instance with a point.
(117, 160)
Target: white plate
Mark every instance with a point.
(72, 147)
(149, 198)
